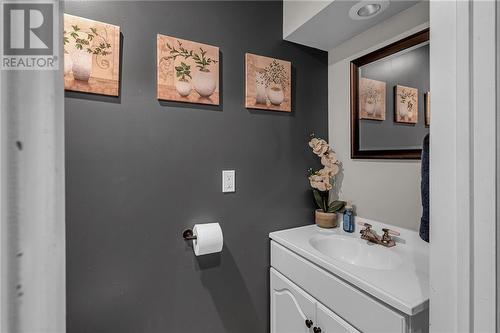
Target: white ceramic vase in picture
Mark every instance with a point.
(403, 111)
(260, 89)
(68, 64)
(204, 83)
(275, 95)
(82, 65)
(183, 88)
(370, 108)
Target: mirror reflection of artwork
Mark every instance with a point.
(406, 104)
(404, 62)
(91, 56)
(268, 83)
(427, 108)
(187, 71)
(371, 99)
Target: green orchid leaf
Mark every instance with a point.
(336, 206)
(318, 199)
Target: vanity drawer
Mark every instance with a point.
(357, 308)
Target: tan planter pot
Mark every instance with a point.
(325, 220)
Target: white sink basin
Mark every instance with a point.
(398, 276)
(356, 252)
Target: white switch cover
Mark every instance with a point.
(228, 179)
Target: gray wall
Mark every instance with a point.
(408, 68)
(139, 171)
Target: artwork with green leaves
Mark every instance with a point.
(91, 56)
(187, 71)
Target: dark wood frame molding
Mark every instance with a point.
(356, 153)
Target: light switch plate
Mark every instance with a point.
(228, 181)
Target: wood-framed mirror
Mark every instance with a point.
(390, 113)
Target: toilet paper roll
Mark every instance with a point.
(208, 238)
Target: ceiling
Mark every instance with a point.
(333, 26)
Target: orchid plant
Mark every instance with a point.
(321, 180)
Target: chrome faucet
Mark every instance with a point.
(370, 235)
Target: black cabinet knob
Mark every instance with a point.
(317, 330)
(309, 323)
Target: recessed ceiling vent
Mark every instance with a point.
(367, 9)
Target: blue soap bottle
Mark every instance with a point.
(348, 220)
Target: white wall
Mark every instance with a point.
(32, 200)
(387, 191)
(463, 175)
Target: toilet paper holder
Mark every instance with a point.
(188, 235)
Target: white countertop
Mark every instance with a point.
(405, 287)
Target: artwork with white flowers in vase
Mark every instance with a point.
(268, 83)
(371, 99)
(91, 56)
(322, 182)
(187, 71)
(406, 104)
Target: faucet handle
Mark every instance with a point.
(391, 232)
(366, 230)
(386, 238)
(364, 224)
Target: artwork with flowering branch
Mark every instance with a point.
(91, 56)
(268, 83)
(406, 104)
(322, 181)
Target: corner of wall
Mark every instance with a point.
(405, 23)
(296, 13)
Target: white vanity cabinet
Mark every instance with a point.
(329, 322)
(291, 308)
(295, 311)
(307, 286)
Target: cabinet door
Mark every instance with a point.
(290, 306)
(329, 322)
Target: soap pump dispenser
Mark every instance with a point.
(348, 220)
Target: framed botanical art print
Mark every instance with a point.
(406, 104)
(371, 99)
(268, 83)
(91, 56)
(187, 71)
